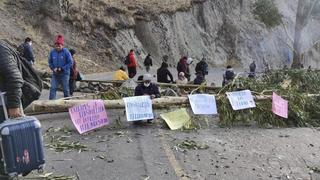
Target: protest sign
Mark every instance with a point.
(89, 116)
(279, 106)
(176, 119)
(138, 108)
(203, 104)
(241, 100)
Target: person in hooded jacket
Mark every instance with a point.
(163, 73)
(132, 66)
(183, 66)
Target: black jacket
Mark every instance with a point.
(150, 90)
(148, 61)
(10, 76)
(163, 73)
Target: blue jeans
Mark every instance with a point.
(57, 79)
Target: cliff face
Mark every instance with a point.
(103, 31)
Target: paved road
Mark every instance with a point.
(148, 151)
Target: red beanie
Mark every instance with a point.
(59, 40)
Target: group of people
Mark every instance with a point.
(163, 73)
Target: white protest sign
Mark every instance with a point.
(203, 104)
(241, 100)
(138, 108)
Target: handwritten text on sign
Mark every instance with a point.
(241, 100)
(279, 106)
(203, 104)
(89, 116)
(138, 108)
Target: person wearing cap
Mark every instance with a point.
(60, 62)
(120, 75)
(147, 88)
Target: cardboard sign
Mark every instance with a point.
(89, 116)
(176, 119)
(279, 106)
(138, 108)
(241, 100)
(203, 104)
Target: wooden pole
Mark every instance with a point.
(57, 106)
(182, 86)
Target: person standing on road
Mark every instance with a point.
(73, 72)
(163, 73)
(148, 62)
(252, 68)
(202, 67)
(183, 66)
(132, 64)
(60, 62)
(120, 75)
(25, 50)
(228, 76)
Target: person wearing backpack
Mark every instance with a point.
(25, 50)
(148, 62)
(60, 62)
(131, 64)
(228, 76)
(202, 67)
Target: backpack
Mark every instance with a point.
(229, 75)
(126, 60)
(20, 50)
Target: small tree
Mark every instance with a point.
(267, 12)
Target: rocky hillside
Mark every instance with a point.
(103, 31)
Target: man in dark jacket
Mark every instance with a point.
(148, 62)
(11, 81)
(147, 88)
(163, 73)
(202, 67)
(26, 50)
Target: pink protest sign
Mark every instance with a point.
(89, 116)
(279, 106)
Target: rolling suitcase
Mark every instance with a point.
(21, 144)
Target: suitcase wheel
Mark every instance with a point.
(40, 171)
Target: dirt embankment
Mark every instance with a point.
(103, 31)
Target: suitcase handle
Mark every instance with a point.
(4, 105)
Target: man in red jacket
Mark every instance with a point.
(132, 66)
